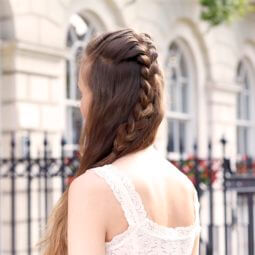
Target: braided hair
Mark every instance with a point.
(134, 82)
(121, 70)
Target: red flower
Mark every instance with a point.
(186, 169)
(68, 180)
(67, 161)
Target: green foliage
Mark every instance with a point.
(217, 12)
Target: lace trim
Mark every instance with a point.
(147, 225)
(119, 192)
(180, 232)
(134, 195)
(138, 203)
(118, 239)
(110, 177)
(168, 233)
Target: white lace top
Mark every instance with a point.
(144, 236)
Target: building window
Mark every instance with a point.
(244, 106)
(179, 93)
(79, 33)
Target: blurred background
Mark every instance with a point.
(207, 51)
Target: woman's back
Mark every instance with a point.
(122, 86)
(152, 206)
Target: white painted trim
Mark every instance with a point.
(1, 139)
(230, 88)
(71, 56)
(178, 115)
(191, 116)
(1, 83)
(111, 17)
(34, 50)
(250, 124)
(188, 32)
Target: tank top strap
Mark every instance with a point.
(133, 194)
(123, 191)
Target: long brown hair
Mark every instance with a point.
(122, 71)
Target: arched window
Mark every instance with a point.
(179, 94)
(244, 108)
(79, 33)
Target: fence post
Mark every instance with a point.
(211, 215)
(249, 164)
(197, 178)
(224, 142)
(62, 167)
(181, 154)
(251, 223)
(45, 158)
(13, 195)
(29, 207)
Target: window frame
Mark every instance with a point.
(247, 124)
(190, 115)
(73, 101)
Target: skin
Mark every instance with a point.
(93, 209)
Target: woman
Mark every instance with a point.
(125, 198)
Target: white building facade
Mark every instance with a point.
(209, 75)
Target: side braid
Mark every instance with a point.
(138, 119)
(148, 106)
(121, 70)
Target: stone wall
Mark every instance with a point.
(33, 53)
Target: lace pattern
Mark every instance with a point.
(120, 192)
(143, 235)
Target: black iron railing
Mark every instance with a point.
(40, 173)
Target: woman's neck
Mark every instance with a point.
(148, 150)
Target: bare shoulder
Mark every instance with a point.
(87, 214)
(181, 192)
(90, 187)
(179, 179)
(89, 182)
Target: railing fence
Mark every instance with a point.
(31, 185)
